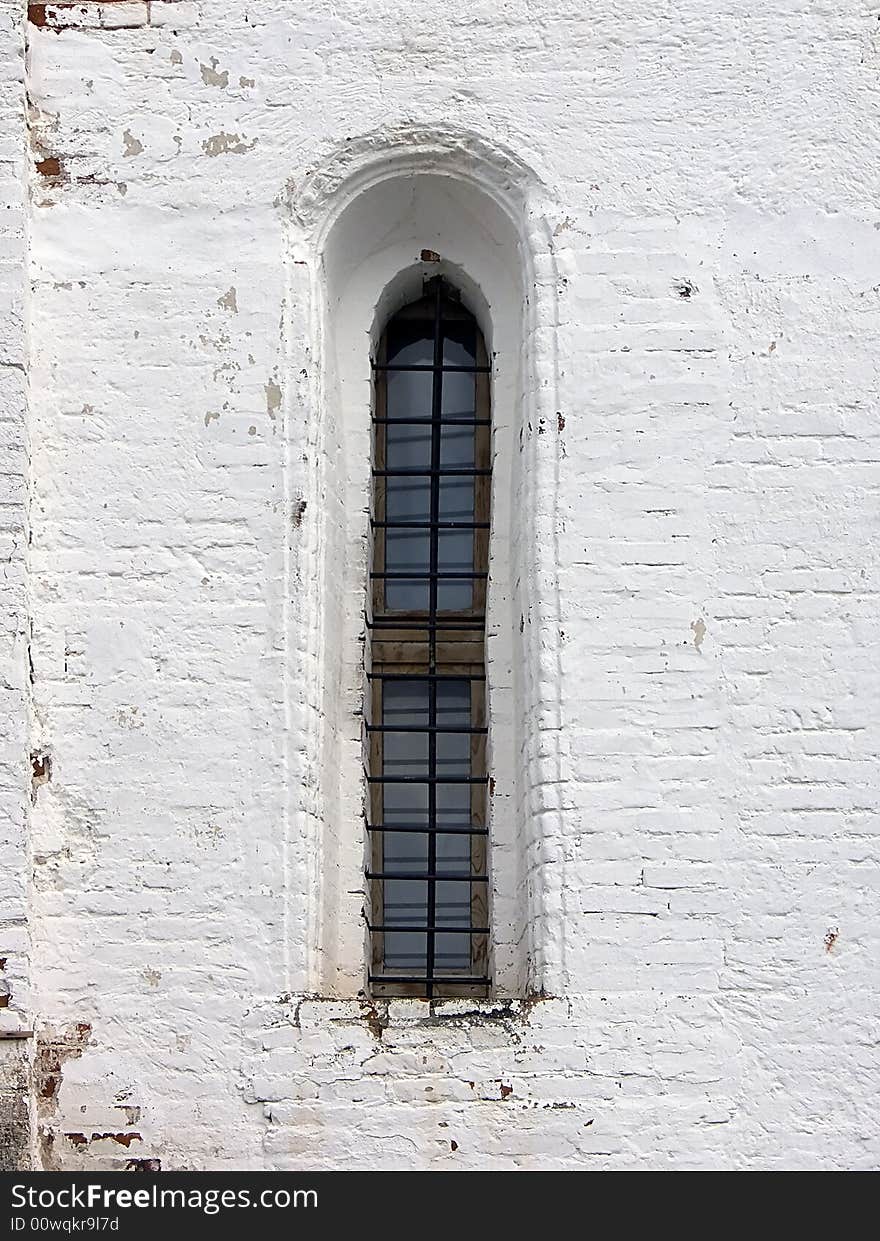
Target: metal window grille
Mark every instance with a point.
(426, 726)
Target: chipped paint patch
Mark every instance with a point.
(133, 146)
(699, 629)
(227, 144)
(273, 399)
(211, 76)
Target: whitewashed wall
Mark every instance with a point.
(706, 600)
(15, 769)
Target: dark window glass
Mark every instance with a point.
(425, 718)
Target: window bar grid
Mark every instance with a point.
(436, 409)
(434, 630)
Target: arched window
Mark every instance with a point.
(426, 723)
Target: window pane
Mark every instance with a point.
(405, 951)
(408, 447)
(409, 394)
(456, 448)
(405, 702)
(407, 499)
(458, 395)
(455, 550)
(409, 342)
(457, 498)
(459, 342)
(437, 800)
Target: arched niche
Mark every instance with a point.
(366, 231)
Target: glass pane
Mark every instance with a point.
(406, 804)
(454, 704)
(407, 499)
(407, 550)
(410, 342)
(408, 447)
(458, 395)
(409, 394)
(406, 851)
(456, 448)
(457, 498)
(406, 951)
(453, 908)
(459, 342)
(405, 702)
(406, 754)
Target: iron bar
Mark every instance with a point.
(432, 640)
(463, 980)
(430, 875)
(435, 779)
(440, 929)
(433, 367)
(426, 829)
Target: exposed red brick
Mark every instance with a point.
(49, 167)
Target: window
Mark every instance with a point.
(426, 724)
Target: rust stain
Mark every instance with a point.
(374, 1019)
(41, 773)
(41, 768)
(38, 16)
(49, 167)
(124, 1139)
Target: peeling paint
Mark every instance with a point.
(133, 146)
(211, 77)
(699, 628)
(273, 399)
(227, 144)
(228, 300)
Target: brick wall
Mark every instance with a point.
(15, 770)
(715, 238)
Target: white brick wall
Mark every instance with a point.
(710, 175)
(15, 1136)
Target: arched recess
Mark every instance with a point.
(366, 230)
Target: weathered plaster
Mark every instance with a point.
(696, 202)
